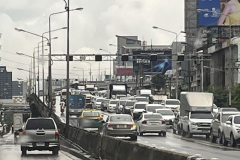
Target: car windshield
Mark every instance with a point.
(152, 108)
(153, 116)
(140, 106)
(166, 112)
(91, 114)
(33, 124)
(173, 102)
(143, 99)
(99, 100)
(120, 119)
(225, 117)
(201, 115)
(113, 102)
(237, 120)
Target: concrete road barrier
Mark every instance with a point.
(111, 148)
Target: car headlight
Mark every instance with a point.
(134, 127)
(173, 119)
(194, 124)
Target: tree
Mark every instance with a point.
(158, 81)
(220, 96)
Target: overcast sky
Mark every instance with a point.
(90, 29)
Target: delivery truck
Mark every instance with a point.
(195, 113)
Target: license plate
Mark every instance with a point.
(154, 123)
(40, 144)
(121, 126)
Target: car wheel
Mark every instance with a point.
(183, 133)
(219, 137)
(232, 141)
(212, 137)
(164, 134)
(174, 131)
(160, 133)
(55, 151)
(24, 151)
(134, 138)
(189, 134)
(224, 141)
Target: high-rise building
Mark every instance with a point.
(5, 83)
(19, 88)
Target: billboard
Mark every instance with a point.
(218, 12)
(141, 60)
(124, 71)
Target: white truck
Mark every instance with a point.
(144, 92)
(195, 113)
(173, 104)
(17, 121)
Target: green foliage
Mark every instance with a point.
(220, 96)
(236, 96)
(158, 81)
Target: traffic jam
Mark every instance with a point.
(114, 112)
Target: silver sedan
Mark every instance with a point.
(151, 123)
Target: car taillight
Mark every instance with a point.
(163, 122)
(144, 122)
(56, 135)
(100, 118)
(110, 125)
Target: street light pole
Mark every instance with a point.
(110, 61)
(90, 73)
(67, 100)
(154, 27)
(83, 72)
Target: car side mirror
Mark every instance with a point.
(228, 122)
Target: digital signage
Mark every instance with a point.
(218, 12)
(141, 60)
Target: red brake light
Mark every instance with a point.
(144, 122)
(110, 125)
(56, 135)
(100, 118)
(163, 122)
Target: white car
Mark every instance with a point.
(138, 109)
(151, 123)
(150, 108)
(111, 106)
(97, 103)
(167, 115)
(173, 104)
(231, 131)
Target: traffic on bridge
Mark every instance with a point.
(120, 80)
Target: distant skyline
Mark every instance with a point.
(96, 26)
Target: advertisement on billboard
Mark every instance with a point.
(218, 12)
(142, 60)
(124, 71)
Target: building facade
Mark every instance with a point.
(5, 83)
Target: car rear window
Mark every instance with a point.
(91, 114)
(152, 108)
(34, 124)
(121, 119)
(154, 116)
